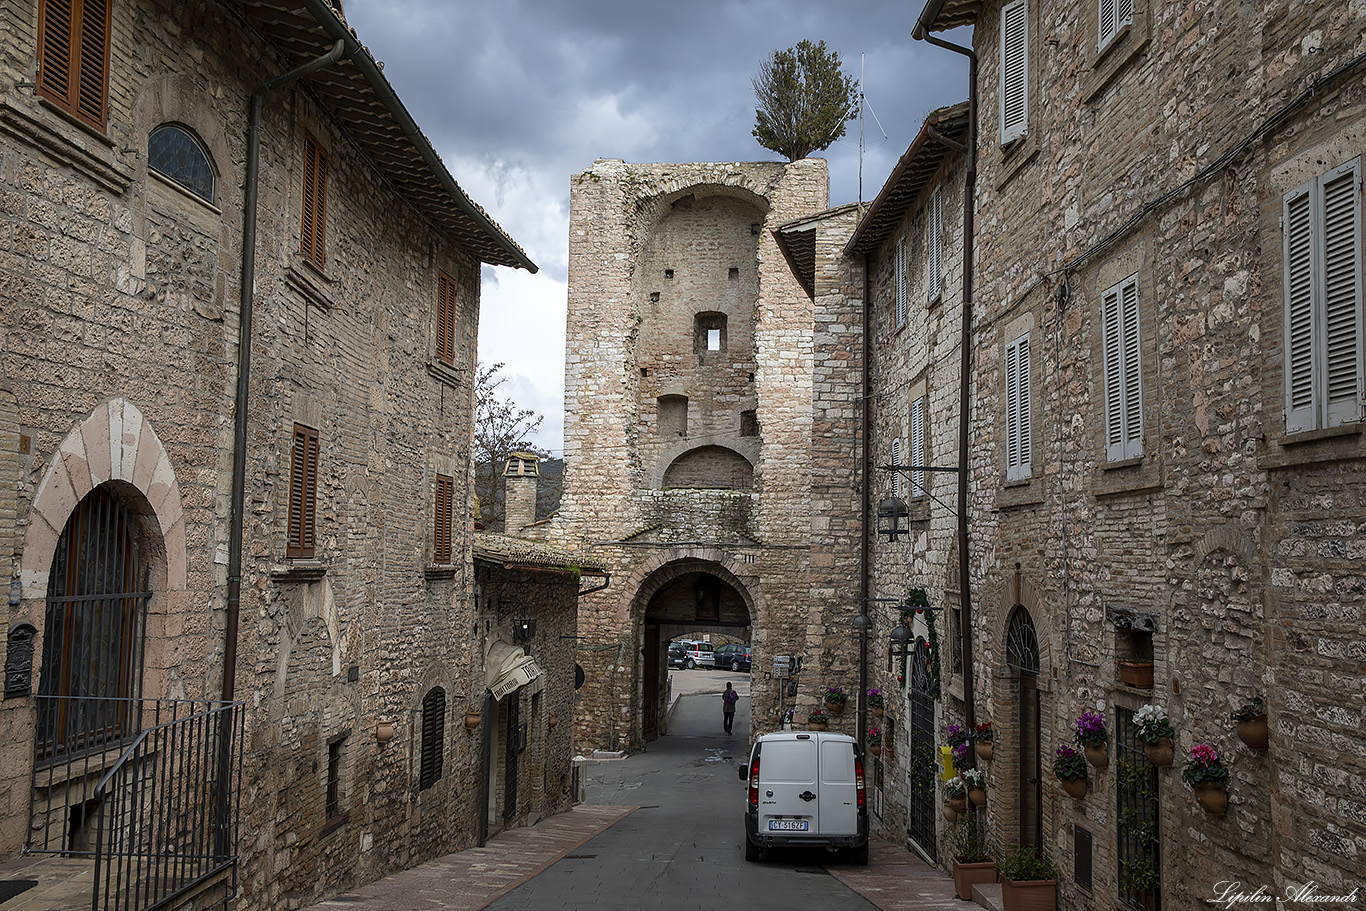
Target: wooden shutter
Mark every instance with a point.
(313, 225)
(433, 738)
(1014, 83)
(1123, 372)
(934, 242)
(441, 543)
(445, 318)
(901, 281)
(1299, 311)
(917, 456)
(303, 493)
(1342, 330)
(896, 460)
(1019, 444)
(73, 57)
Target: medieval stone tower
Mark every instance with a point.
(692, 402)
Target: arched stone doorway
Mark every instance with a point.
(1022, 658)
(693, 598)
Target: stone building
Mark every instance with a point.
(1167, 433)
(708, 460)
(128, 180)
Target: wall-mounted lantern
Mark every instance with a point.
(523, 629)
(893, 519)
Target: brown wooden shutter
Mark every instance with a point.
(441, 543)
(445, 318)
(313, 224)
(433, 738)
(73, 64)
(303, 493)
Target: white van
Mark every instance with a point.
(806, 789)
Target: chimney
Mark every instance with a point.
(521, 476)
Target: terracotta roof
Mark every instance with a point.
(519, 553)
(939, 15)
(357, 94)
(910, 177)
(797, 240)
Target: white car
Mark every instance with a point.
(806, 789)
(698, 654)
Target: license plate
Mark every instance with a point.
(788, 825)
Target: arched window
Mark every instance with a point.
(177, 154)
(433, 737)
(1022, 643)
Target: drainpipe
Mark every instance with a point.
(865, 510)
(922, 33)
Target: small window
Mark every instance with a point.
(749, 423)
(1014, 61)
(73, 57)
(303, 493)
(673, 415)
(334, 773)
(917, 453)
(934, 243)
(441, 532)
(433, 737)
(313, 222)
(713, 339)
(1114, 15)
(1123, 371)
(177, 154)
(709, 332)
(1019, 430)
(445, 318)
(902, 280)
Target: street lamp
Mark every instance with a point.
(893, 518)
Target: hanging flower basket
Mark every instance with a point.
(472, 720)
(1213, 798)
(1098, 756)
(1209, 778)
(956, 794)
(1071, 771)
(983, 740)
(875, 702)
(947, 810)
(1252, 728)
(835, 699)
(1094, 738)
(1075, 787)
(1154, 730)
(1161, 753)
(817, 721)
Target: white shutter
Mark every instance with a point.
(934, 242)
(1299, 311)
(1133, 371)
(901, 282)
(1342, 330)
(1123, 372)
(896, 462)
(1014, 82)
(918, 456)
(1114, 375)
(1113, 16)
(1019, 443)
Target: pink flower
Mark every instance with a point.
(1204, 754)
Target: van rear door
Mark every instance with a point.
(788, 768)
(839, 789)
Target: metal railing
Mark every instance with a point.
(156, 808)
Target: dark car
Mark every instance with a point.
(733, 656)
(678, 656)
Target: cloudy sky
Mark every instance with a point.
(518, 95)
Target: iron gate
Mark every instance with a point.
(920, 806)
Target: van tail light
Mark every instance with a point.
(754, 784)
(858, 782)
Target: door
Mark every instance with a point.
(653, 673)
(838, 793)
(1031, 796)
(921, 810)
(787, 768)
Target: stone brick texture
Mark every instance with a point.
(118, 354)
(656, 252)
(1242, 542)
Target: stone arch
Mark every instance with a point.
(114, 445)
(710, 467)
(1021, 593)
(746, 447)
(648, 577)
(180, 99)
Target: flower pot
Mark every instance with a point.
(875, 748)
(1213, 798)
(889, 753)
(965, 876)
(1136, 673)
(1160, 753)
(978, 795)
(959, 804)
(1029, 895)
(1098, 756)
(472, 720)
(984, 751)
(552, 720)
(949, 813)
(815, 725)
(834, 708)
(877, 711)
(1254, 732)
(1075, 787)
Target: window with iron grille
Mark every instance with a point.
(73, 57)
(433, 737)
(445, 318)
(313, 222)
(334, 772)
(1140, 882)
(441, 543)
(303, 493)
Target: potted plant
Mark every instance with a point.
(956, 794)
(1094, 738)
(875, 702)
(972, 860)
(1136, 672)
(960, 741)
(1071, 771)
(976, 781)
(873, 737)
(1251, 718)
(1139, 877)
(835, 699)
(472, 717)
(1208, 776)
(1029, 881)
(1154, 730)
(983, 740)
(817, 720)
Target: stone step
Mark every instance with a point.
(988, 895)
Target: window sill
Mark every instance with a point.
(445, 373)
(1015, 494)
(56, 140)
(332, 825)
(299, 571)
(439, 571)
(1014, 156)
(310, 281)
(170, 184)
(1125, 47)
(1328, 444)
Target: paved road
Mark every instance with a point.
(684, 847)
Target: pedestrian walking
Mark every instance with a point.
(728, 700)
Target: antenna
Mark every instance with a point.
(862, 103)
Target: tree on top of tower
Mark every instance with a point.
(804, 99)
